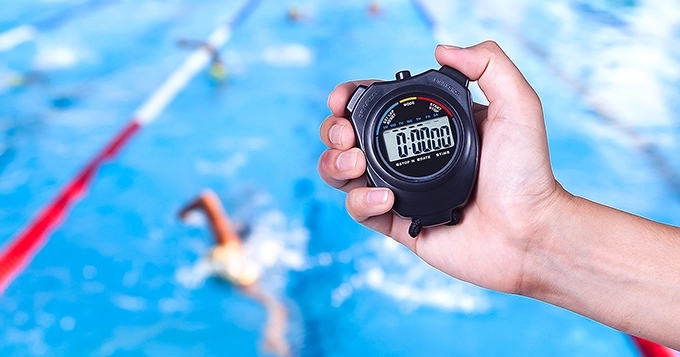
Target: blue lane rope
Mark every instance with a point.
(243, 13)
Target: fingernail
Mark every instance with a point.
(335, 134)
(448, 47)
(347, 161)
(376, 197)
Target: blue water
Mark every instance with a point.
(120, 276)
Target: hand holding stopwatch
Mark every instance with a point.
(420, 140)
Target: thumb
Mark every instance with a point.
(502, 83)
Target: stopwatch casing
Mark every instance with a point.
(420, 140)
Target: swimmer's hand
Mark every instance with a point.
(516, 190)
(185, 213)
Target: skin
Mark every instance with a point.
(275, 327)
(522, 232)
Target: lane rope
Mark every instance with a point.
(645, 347)
(20, 250)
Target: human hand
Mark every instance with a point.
(516, 196)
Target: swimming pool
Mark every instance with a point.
(119, 274)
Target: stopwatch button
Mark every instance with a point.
(355, 98)
(401, 75)
(455, 74)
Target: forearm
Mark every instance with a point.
(616, 268)
(210, 204)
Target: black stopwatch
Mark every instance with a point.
(420, 140)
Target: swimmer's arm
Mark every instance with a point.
(614, 267)
(219, 222)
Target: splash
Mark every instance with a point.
(289, 55)
(54, 58)
(388, 268)
(275, 244)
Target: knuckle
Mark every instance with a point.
(326, 162)
(354, 204)
(325, 131)
(333, 95)
(490, 45)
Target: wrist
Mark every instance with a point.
(546, 245)
(607, 265)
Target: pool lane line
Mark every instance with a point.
(645, 347)
(16, 36)
(648, 149)
(28, 32)
(18, 253)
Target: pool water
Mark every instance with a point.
(122, 275)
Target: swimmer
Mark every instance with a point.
(374, 9)
(11, 79)
(218, 71)
(299, 14)
(294, 14)
(231, 263)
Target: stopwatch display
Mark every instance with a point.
(416, 136)
(420, 141)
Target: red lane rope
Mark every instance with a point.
(651, 349)
(19, 252)
(15, 255)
